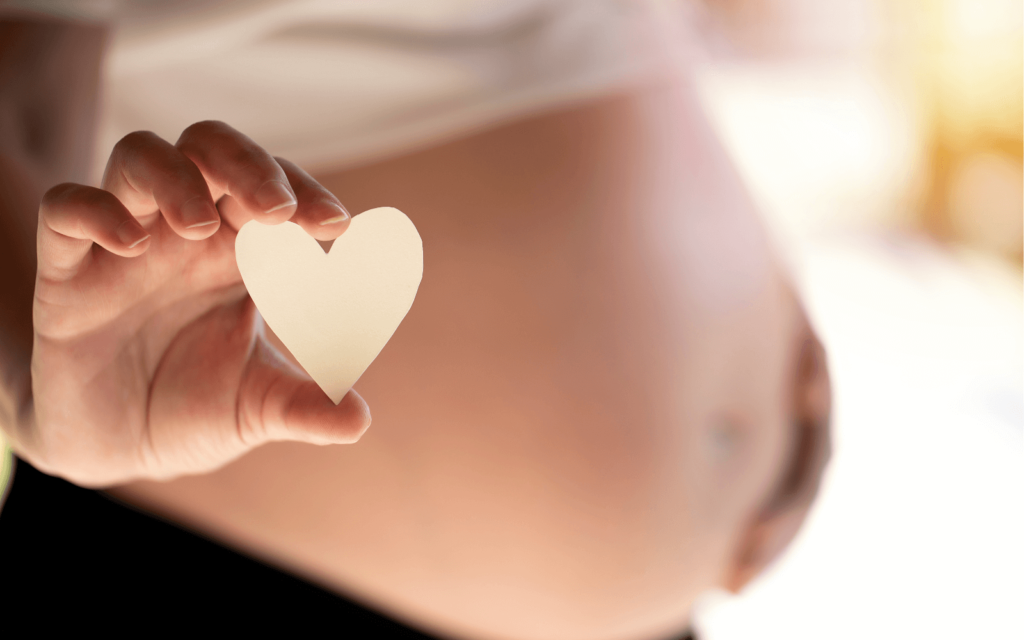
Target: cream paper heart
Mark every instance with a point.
(334, 311)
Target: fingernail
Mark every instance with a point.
(131, 234)
(274, 195)
(341, 217)
(197, 212)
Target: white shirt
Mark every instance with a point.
(328, 83)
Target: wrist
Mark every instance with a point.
(17, 409)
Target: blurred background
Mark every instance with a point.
(883, 141)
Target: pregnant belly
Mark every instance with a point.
(596, 295)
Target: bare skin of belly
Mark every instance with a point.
(598, 299)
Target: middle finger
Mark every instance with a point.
(236, 166)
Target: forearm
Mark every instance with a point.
(49, 75)
(19, 196)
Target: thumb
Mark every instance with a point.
(279, 401)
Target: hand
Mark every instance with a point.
(149, 358)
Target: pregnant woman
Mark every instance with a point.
(605, 400)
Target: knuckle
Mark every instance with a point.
(57, 195)
(204, 128)
(287, 165)
(180, 170)
(95, 200)
(53, 323)
(250, 157)
(57, 201)
(251, 426)
(129, 154)
(133, 143)
(68, 205)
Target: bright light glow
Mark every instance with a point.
(917, 531)
(918, 527)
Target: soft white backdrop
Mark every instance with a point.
(919, 525)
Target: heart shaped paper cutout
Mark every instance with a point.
(334, 311)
